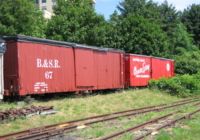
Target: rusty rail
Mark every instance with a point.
(137, 127)
(169, 124)
(53, 130)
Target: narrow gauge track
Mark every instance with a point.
(189, 115)
(58, 129)
(153, 121)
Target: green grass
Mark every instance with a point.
(187, 130)
(107, 128)
(71, 108)
(76, 108)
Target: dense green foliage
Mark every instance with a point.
(191, 18)
(181, 41)
(21, 17)
(76, 21)
(181, 85)
(188, 62)
(145, 27)
(141, 36)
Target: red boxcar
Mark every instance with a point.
(137, 70)
(38, 66)
(162, 67)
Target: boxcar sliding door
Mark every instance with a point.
(84, 65)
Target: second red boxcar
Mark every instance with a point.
(162, 67)
(38, 66)
(137, 69)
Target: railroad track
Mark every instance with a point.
(167, 123)
(61, 128)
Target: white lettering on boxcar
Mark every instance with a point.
(168, 67)
(47, 63)
(40, 87)
(138, 60)
(48, 75)
(143, 69)
(140, 72)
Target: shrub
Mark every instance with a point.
(188, 62)
(181, 85)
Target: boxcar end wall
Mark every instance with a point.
(2, 51)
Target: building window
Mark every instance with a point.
(44, 1)
(36, 1)
(44, 8)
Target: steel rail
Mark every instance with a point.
(47, 130)
(71, 127)
(197, 104)
(169, 124)
(137, 127)
(48, 133)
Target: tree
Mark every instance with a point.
(169, 18)
(181, 41)
(188, 62)
(76, 21)
(113, 37)
(191, 19)
(147, 9)
(21, 17)
(138, 35)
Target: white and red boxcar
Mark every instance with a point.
(139, 69)
(38, 66)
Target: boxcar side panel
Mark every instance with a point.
(45, 69)
(162, 68)
(109, 70)
(140, 70)
(84, 64)
(101, 68)
(172, 68)
(115, 67)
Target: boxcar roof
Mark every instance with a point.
(57, 43)
(149, 56)
(141, 55)
(163, 58)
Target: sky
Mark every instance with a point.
(107, 7)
